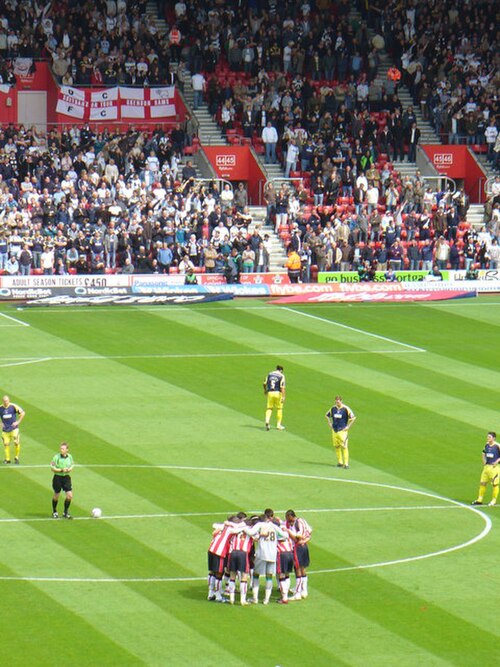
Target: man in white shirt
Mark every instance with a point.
(198, 83)
(491, 134)
(372, 196)
(292, 155)
(270, 139)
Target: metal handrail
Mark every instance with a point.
(440, 180)
(220, 182)
(283, 180)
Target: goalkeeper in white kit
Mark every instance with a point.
(267, 533)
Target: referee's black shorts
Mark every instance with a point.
(61, 483)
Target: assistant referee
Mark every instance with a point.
(62, 465)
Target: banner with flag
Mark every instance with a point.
(118, 103)
(71, 102)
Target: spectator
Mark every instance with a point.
(12, 267)
(270, 139)
(199, 84)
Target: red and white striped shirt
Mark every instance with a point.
(220, 541)
(240, 542)
(301, 530)
(287, 544)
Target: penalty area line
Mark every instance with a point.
(20, 361)
(14, 319)
(349, 328)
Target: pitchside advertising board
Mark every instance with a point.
(490, 275)
(353, 276)
(120, 288)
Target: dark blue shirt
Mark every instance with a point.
(9, 416)
(275, 381)
(339, 417)
(491, 453)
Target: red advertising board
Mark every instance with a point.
(378, 295)
(458, 162)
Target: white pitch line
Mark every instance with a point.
(14, 319)
(346, 326)
(184, 309)
(457, 547)
(181, 515)
(25, 362)
(19, 361)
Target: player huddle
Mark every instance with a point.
(255, 546)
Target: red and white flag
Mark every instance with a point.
(147, 102)
(117, 103)
(162, 102)
(71, 102)
(132, 102)
(104, 104)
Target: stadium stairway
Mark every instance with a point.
(209, 132)
(277, 254)
(475, 215)
(153, 12)
(427, 133)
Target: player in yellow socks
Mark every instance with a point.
(491, 469)
(340, 418)
(11, 415)
(274, 389)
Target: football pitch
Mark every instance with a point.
(163, 409)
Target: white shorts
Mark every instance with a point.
(264, 566)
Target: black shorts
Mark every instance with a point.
(301, 555)
(61, 483)
(285, 562)
(238, 561)
(215, 563)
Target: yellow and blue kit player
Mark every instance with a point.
(340, 418)
(274, 389)
(491, 469)
(11, 416)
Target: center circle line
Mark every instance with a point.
(426, 494)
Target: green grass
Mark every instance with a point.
(163, 409)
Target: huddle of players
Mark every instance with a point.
(255, 546)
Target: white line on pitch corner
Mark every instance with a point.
(346, 326)
(14, 319)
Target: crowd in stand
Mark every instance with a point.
(108, 42)
(83, 202)
(296, 84)
(449, 57)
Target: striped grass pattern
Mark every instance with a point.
(164, 412)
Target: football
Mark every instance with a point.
(97, 512)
